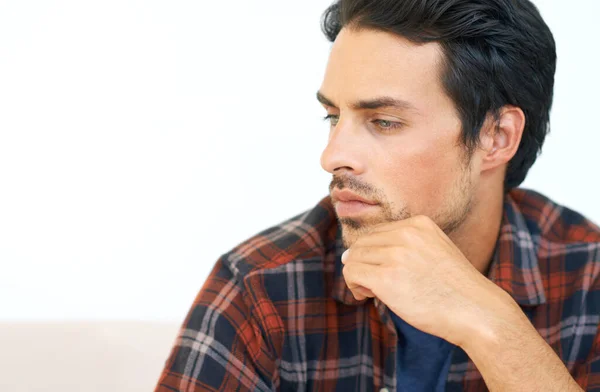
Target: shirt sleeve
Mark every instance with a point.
(220, 346)
(587, 371)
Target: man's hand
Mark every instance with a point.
(420, 274)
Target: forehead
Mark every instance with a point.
(367, 62)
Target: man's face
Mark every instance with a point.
(408, 158)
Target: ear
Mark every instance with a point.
(500, 137)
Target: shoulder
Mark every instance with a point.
(566, 246)
(307, 236)
(552, 221)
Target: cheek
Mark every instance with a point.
(422, 176)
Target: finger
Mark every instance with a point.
(408, 236)
(377, 238)
(362, 276)
(361, 293)
(373, 255)
(390, 226)
(422, 222)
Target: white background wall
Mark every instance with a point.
(140, 140)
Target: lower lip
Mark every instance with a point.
(348, 208)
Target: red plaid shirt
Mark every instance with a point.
(275, 312)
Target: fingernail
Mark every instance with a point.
(344, 255)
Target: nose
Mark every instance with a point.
(346, 149)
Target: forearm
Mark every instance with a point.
(512, 356)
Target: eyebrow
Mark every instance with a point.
(376, 103)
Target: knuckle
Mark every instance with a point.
(423, 220)
(420, 219)
(347, 271)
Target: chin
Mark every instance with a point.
(351, 232)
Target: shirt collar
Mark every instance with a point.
(514, 266)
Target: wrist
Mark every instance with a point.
(510, 353)
(496, 320)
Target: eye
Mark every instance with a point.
(383, 125)
(387, 125)
(334, 119)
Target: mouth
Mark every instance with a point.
(353, 208)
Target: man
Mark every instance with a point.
(426, 268)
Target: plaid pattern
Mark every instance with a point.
(275, 313)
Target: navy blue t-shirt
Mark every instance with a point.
(423, 360)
